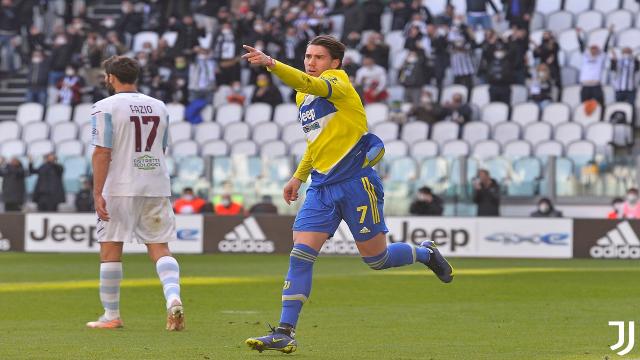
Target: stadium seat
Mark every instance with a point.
(257, 113)
(605, 6)
(486, 149)
(556, 113)
(70, 148)
(286, 93)
(568, 132)
(598, 37)
(475, 131)
(179, 131)
(631, 5)
(537, 132)
(75, 168)
(396, 148)
(589, 20)
(273, 148)
(297, 148)
(444, 131)
(601, 135)
(506, 132)
(376, 113)
(455, 172)
(190, 168)
(537, 21)
(517, 149)
(564, 177)
(401, 169)
(354, 54)
(244, 147)
(574, 60)
(85, 133)
(35, 131)
(247, 91)
(576, 6)
(433, 90)
(337, 24)
(396, 93)
(207, 113)
(622, 133)
(184, 148)
(264, 132)
(395, 39)
(455, 148)
(519, 94)
(525, 177)
(236, 131)
(568, 40)
(480, 95)
(82, 113)
(424, 149)
(39, 148)
(414, 131)
(222, 169)
(449, 91)
(228, 113)
(64, 131)
(549, 148)
(620, 19)
(571, 95)
(624, 107)
(569, 75)
(548, 6)
(386, 130)
(433, 172)
(143, 37)
(581, 149)
(57, 113)
(285, 114)
(559, 21)
(9, 130)
(292, 133)
(499, 168)
(176, 112)
(536, 37)
(12, 148)
(581, 117)
(494, 113)
(630, 38)
(525, 113)
(215, 148)
(207, 131)
(29, 112)
(278, 169)
(170, 37)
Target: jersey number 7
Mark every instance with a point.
(152, 135)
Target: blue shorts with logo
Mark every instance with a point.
(358, 201)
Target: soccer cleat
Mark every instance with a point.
(103, 323)
(279, 339)
(175, 318)
(437, 263)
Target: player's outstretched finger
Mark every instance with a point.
(249, 48)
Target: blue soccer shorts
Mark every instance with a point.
(358, 201)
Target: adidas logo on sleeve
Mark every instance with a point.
(619, 243)
(246, 237)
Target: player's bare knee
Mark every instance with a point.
(110, 252)
(156, 251)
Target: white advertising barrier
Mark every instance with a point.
(453, 236)
(51, 232)
(525, 238)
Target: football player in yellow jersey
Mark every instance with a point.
(339, 157)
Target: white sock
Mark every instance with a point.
(110, 278)
(169, 274)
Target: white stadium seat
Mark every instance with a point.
(601, 134)
(581, 148)
(559, 21)
(244, 147)
(576, 6)
(35, 131)
(176, 112)
(571, 95)
(57, 113)
(9, 130)
(568, 40)
(184, 148)
(292, 133)
(537, 132)
(606, 6)
(265, 132)
(273, 149)
(215, 148)
(396, 148)
(589, 20)
(476, 131)
(40, 148)
(29, 112)
(414, 131)
(82, 113)
(444, 131)
(257, 113)
(494, 113)
(64, 131)
(285, 113)
(556, 113)
(548, 6)
(297, 148)
(480, 95)
(525, 113)
(145, 36)
(376, 113)
(506, 132)
(236, 132)
(620, 19)
(549, 148)
(386, 130)
(581, 117)
(568, 132)
(12, 148)
(630, 38)
(207, 131)
(228, 113)
(449, 91)
(179, 131)
(455, 148)
(424, 149)
(517, 149)
(70, 148)
(486, 149)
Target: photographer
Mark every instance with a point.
(426, 203)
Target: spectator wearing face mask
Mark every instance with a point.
(60, 59)
(426, 203)
(264, 207)
(593, 63)
(236, 96)
(547, 53)
(37, 78)
(179, 80)
(13, 184)
(458, 110)
(69, 87)
(372, 79)
(486, 194)
(500, 73)
(546, 209)
(541, 87)
(266, 92)
(625, 70)
(412, 76)
(226, 51)
(227, 207)
(148, 71)
(188, 203)
(427, 110)
(616, 209)
(202, 75)
(631, 206)
(188, 34)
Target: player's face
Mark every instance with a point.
(317, 60)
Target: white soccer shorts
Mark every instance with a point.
(136, 218)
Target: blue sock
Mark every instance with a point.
(397, 254)
(297, 285)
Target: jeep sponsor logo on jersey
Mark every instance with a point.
(146, 162)
(607, 239)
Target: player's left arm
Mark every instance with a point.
(102, 139)
(327, 85)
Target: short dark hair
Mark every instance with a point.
(187, 189)
(124, 68)
(336, 48)
(425, 190)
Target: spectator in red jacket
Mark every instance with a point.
(188, 203)
(227, 207)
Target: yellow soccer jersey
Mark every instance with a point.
(330, 113)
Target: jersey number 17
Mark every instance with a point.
(138, 128)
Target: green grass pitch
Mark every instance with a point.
(494, 309)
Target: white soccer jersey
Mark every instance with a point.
(136, 128)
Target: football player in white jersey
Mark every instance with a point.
(132, 188)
